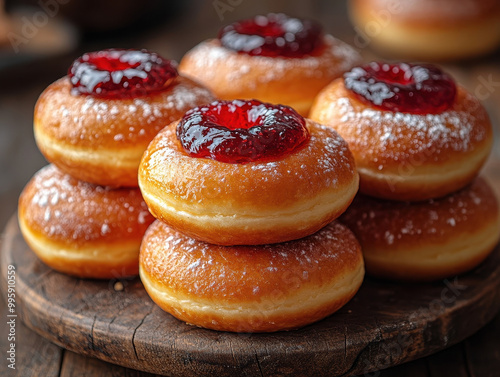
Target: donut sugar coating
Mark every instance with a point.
(427, 29)
(100, 140)
(253, 203)
(428, 240)
(251, 288)
(292, 81)
(81, 229)
(402, 156)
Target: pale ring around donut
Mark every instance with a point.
(101, 141)
(429, 240)
(81, 229)
(253, 203)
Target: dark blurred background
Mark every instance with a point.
(52, 33)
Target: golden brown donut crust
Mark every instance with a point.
(82, 229)
(252, 203)
(288, 81)
(102, 140)
(427, 29)
(428, 13)
(404, 156)
(427, 240)
(251, 288)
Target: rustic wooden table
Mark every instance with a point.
(477, 356)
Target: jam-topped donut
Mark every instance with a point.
(251, 288)
(241, 131)
(120, 73)
(273, 58)
(414, 133)
(247, 173)
(273, 35)
(427, 240)
(82, 229)
(428, 29)
(95, 123)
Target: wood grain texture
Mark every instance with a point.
(384, 325)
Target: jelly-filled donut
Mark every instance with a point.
(95, 123)
(414, 133)
(273, 58)
(429, 29)
(247, 173)
(81, 229)
(251, 288)
(428, 240)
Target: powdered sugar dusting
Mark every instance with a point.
(434, 219)
(210, 55)
(66, 208)
(232, 271)
(105, 229)
(88, 119)
(399, 135)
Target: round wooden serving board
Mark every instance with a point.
(384, 325)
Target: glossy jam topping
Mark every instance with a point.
(406, 88)
(241, 131)
(273, 35)
(120, 73)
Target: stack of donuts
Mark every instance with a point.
(253, 232)
(84, 215)
(419, 141)
(246, 192)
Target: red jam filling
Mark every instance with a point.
(275, 35)
(115, 74)
(241, 131)
(407, 88)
